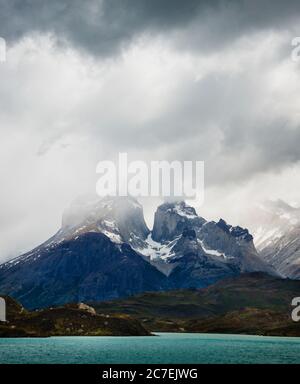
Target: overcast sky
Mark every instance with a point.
(159, 79)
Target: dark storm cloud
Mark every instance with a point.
(100, 27)
(104, 26)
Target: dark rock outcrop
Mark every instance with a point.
(69, 320)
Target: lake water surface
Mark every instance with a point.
(165, 348)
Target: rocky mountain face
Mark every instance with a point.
(172, 218)
(104, 250)
(194, 252)
(88, 267)
(277, 237)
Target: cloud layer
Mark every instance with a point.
(202, 80)
(103, 27)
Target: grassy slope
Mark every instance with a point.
(253, 303)
(69, 320)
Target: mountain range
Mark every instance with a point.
(104, 250)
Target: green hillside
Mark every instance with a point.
(252, 303)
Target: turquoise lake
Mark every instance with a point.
(165, 348)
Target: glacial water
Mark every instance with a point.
(165, 348)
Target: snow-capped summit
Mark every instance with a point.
(119, 218)
(277, 236)
(271, 220)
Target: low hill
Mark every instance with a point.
(254, 303)
(68, 320)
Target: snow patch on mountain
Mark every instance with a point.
(212, 252)
(183, 210)
(156, 250)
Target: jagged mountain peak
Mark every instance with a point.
(237, 232)
(184, 241)
(172, 218)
